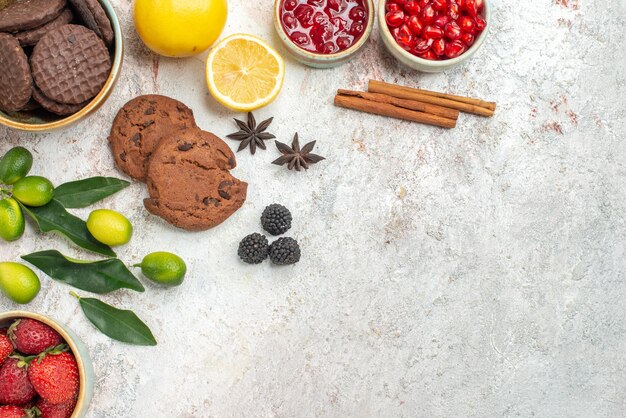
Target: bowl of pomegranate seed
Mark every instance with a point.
(433, 35)
(323, 33)
(45, 370)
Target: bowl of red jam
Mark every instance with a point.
(433, 35)
(323, 33)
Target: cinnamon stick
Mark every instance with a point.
(385, 109)
(409, 93)
(407, 104)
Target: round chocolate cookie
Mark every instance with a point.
(139, 126)
(189, 182)
(70, 64)
(29, 14)
(16, 83)
(31, 37)
(95, 18)
(50, 105)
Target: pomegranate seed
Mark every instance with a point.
(304, 13)
(467, 39)
(422, 46)
(405, 37)
(289, 20)
(289, 5)
(470, 7)
(454, 49)
(428, 14)
(424, 3)
(356, 29)
(453, 31)
(430, 55)
(395, 19)
(328, 48)
(392, 7)
(300, 38)
(440, 5)
(412, 7)
(415, 25)
(357, 13)
(439, 47)
(467, 24)
(480, 5)
(432, 32)
(333, 5)
(480, 23)
(343, 42)
(441, 21)
(453, 11)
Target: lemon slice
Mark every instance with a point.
(244, 73)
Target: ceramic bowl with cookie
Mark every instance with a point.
(59, 61)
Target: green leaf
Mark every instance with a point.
(82, 193)
(121, 325)
(97, 277)
(54, 217)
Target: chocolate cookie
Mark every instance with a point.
(95, 18)
(31, 37)
(139, 126)
(189, 182)
(29, 14)
(56, 107)
(16, 83)
(70, 64)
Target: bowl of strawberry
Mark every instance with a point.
(433, 35)
(45, 371)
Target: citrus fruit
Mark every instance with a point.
(18, 282)
(244, 73)
(15, 165)
(109, 227)
(164, 268)
(180, 28)
(11, 220)
(33, 191)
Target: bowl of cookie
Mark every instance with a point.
(59, 61)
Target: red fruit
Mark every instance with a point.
(424, 3)
(304, 14)
(395, 19)
(452, 31)
(55, 377)
(422, 46)
(11, 411)
(404, 37)
(5, 348)
(357, 13)
(412, 7)
(441, 21)
(289, 21)
(480, 23)
(432, 32)
(470, 7)
(289, 5)
(453, 11)
(357, 28)
(15, 388)
(454, 49)
(466, 24)
(392, 7)
(33, 337)
(343, 42)
(415, 25)
(428, 15)
(300, 38)
(439, 47)
(430, 55)
(49, 410)
(480, 5)
(440, 5)
(467, 39)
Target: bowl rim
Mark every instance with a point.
(443, 64)
(82, 370)
(325, 57)
(98, 100)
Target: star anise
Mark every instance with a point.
(252, 134)
(295, 157)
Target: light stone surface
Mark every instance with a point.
(474, 272)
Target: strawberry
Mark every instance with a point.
(5, 348)
(49, 410)
(54, 376)
(33, 337)
(10, 411)
(15, 388)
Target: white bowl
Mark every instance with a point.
(422, 64)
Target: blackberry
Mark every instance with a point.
(253, 249)
(285, 251)
(276, 219)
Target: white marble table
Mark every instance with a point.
(473, 272)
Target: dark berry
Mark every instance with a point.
(253, 249)
(276, 219)
(285, 251)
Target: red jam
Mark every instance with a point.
(324, 26)
(435, 29)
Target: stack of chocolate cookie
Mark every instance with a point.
(69, 62)
(155, 139)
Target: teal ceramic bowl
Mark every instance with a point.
(323, 60)
(85, 367)
(422, 64)
(41, 121)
